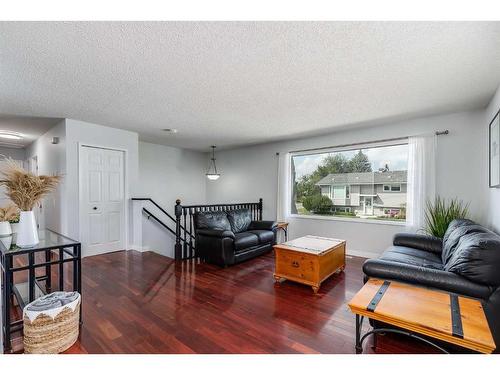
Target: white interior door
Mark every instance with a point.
(102, 200)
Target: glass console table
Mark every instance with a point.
(53, 250)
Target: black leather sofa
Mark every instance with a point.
(466, 261)
(225, 238)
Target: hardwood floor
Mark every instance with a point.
(145, 303)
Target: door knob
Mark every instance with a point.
(95, 208)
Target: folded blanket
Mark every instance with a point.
(52, 301)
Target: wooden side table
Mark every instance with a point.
(283, 225)
(422, 313)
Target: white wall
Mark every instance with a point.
(52, 160)
(84, 133)
(14, 153)
(493, 195)
(165, 174)
(251, 173)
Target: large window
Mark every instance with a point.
(367, 183)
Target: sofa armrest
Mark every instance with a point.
(263, 225)
(448, 281)
(419, 241)
(215, 233)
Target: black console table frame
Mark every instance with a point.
(67, 250)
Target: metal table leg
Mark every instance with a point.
(359, 342)
(78, 270)
(48, 271)
(61, 269)
(375, 331)
(7, 299)
(31, 279)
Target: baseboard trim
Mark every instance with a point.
(139, 248)
(362, 253)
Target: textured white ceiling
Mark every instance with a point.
(234, 83)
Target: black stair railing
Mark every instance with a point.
(150, 215)
(184, 222)
(184, 229)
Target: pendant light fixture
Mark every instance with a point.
(212, 173)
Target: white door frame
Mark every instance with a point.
(126, 197)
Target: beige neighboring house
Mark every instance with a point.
(366, 193)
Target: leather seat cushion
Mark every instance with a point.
(456, 230)
(415, 257)
(212, 220)
(244, 240)
(265, 236)
(477, 258)
(240, 219)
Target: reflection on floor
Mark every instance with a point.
(145, 303)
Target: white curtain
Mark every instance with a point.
(284, 194)
(421, 179)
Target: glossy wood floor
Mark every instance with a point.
(145, 303)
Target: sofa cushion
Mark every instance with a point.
(244, 240)
(411, 256)
(212, 220)
(240, 219)
(265, 236)
(477, 258)
(457, 223)
(456, 230)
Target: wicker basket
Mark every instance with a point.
(51, 331)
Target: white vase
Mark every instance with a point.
(5, 229)
(27, 234)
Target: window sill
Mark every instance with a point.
(354, 220)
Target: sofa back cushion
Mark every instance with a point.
(457, 230)
(212, 220)
(477, 258)
(240, 219)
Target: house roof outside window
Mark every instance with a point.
(362, 178)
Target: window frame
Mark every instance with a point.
(327, 150)
(390, 186)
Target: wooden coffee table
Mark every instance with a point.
(422, 313)
(309, 260)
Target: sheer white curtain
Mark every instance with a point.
(421, 179)
(284, 194)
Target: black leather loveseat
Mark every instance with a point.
(228, 237)
(466, 262)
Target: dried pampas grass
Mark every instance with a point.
(9, 213)
(24, 188)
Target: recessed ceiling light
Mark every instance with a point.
(10, 135)
(168, 130)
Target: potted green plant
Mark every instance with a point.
(440, 213)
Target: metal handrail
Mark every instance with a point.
(158, 220)
(162, 210)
